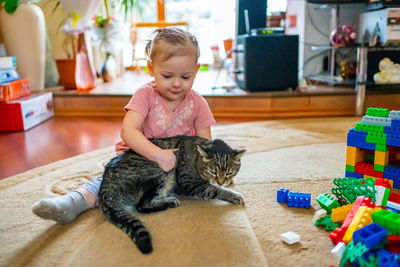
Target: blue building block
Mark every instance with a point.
(358, 139)
(395, 130)
(392, 173)
(282, 195)
(395, 122)
(387, 259)
(370, 235)
(299, 200)
(354, 175)
(393, 140)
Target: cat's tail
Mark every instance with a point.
(131, 225)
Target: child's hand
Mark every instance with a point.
(166, 159)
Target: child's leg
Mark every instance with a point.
(64, 209)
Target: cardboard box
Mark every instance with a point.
(26, 112)
(14, 90)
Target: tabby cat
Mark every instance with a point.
(132, 182)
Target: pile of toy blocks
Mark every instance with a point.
(373, 146)
(365, 234)
(363, 211)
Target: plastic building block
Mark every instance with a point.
(377, 120)
(352, 252)
(393, 243)
(381, 195)
(337, 235)
(290, 237)
(299, 200)
(339, 214)
(377, 112)
(368, 169)
(353, 155)
(395, 207)
(384, 182)
(358, 139)
(370, 128)
(381, 158)
(393, 173)
(318, 215)
(394, 114)
(394, 197)
(327, 202)
(370, 235)
(350, 174)
(376, 138)
(327, 222)
(361, 218)
(388, 219)
(282, 195)
(387, 259)
(392, 140)
(338, 250)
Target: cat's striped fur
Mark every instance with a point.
(132, 182)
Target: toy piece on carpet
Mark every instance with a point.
(290, 237)
(294, 200)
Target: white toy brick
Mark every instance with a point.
(318, 215)
(339, 250)
(290, 237)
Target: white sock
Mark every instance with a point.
(63, 209)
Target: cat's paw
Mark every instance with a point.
(237, 199)
(173, 202)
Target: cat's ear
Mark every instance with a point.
(238, 154)
(204, 156)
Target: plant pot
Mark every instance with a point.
(66, 69)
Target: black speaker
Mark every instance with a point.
(267, 62)
(257, 14)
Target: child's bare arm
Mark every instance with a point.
(205, 133)
(134, 138)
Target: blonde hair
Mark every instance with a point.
(172, 36)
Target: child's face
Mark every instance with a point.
(174, 77)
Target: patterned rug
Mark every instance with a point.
(303, 155)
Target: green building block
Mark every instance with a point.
(378, 112)
(388, 219)
(376, 138)
(370, 128)
(350, 168)
(379, 168)
(381, 148)
(327, 202)
(327, 222)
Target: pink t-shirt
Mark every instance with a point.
(160, 121)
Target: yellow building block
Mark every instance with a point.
(381, 158)
(362, 218)
(353, 155)
(340, 213)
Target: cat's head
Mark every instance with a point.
(218, 162)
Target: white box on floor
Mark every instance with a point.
(24, 113)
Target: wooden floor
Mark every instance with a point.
(55, 139)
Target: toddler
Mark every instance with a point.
(164, 107)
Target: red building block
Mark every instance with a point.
(394, 243)
(367, 169)
(394, 197)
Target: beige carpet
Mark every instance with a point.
(303, 155)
